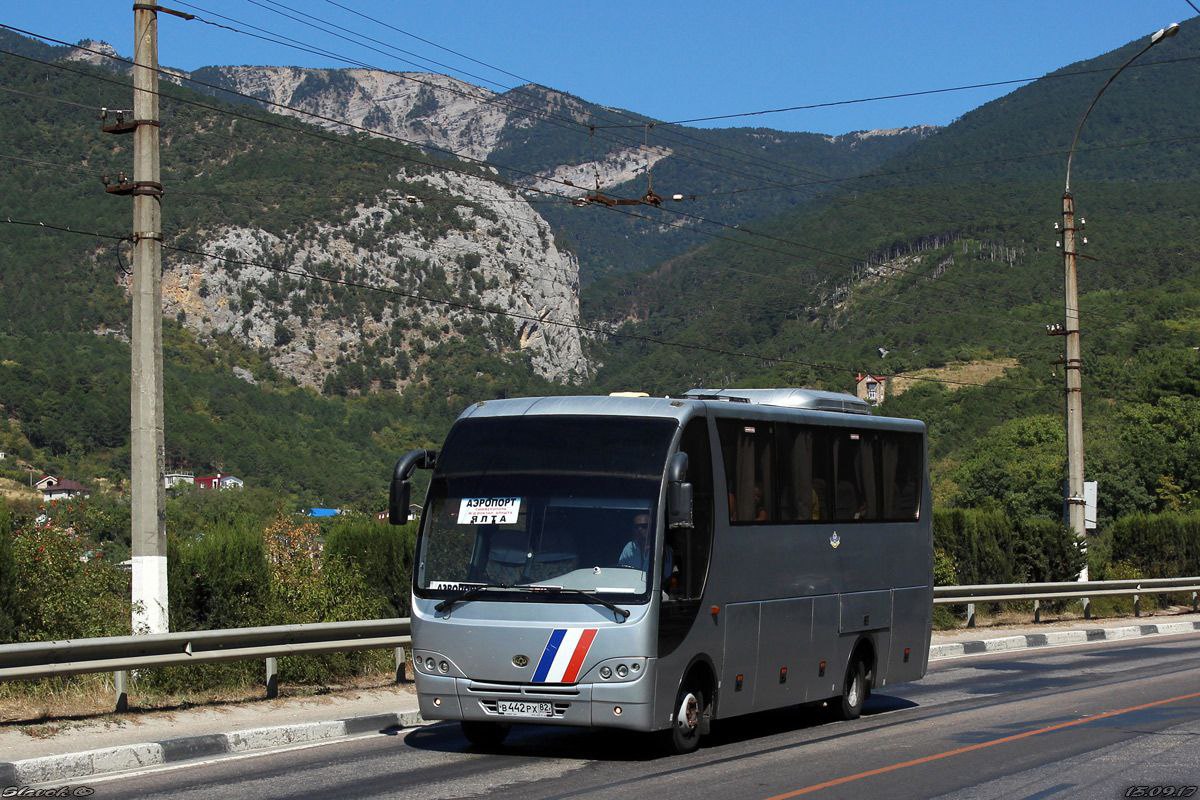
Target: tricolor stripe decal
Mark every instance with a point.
(563, 657)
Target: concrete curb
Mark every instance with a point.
(1052, 638)
(74, 766)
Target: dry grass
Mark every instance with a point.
(1013, 614)
(15, 490)
(44, 707)
(971, 372)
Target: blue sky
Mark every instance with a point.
(676, 60)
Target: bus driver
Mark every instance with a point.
(637, 552)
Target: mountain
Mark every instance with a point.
(791, 259)
(947, 257)
(268, 200)
(545, 139)
(323, 294)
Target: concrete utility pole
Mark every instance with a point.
(1076, 504)
(1074, 368)
(146, 390)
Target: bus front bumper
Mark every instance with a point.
(611, 705)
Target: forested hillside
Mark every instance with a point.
(949, 255)
(64, 357)
(918, 250)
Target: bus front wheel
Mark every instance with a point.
(485, 734)
(684, 736)
(854, 691)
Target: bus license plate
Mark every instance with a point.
(519, 708)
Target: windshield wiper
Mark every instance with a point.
(470, 594)
(586, 595)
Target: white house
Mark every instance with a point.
(177, 477)
(62, 490)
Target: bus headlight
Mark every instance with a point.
(628, 668)
(430, 665)
(443, 667)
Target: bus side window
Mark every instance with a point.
(747, 450)
(901, 472)
(850, 495)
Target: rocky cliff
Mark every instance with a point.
(463, 239)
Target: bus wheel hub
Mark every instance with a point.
(689, 712)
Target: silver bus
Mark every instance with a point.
(655, 564)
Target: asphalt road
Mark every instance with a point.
(1073, 722)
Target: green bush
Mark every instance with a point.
(986, 546)
(1160, 545)
(382, 554)
(8, 578)
(218, 579)
(980, 544)
(943, 575)
(1120, 606)
(1046, 551)
(63, 587)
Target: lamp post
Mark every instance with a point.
(1074, 364)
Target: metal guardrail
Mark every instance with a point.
(118, 654)
(1073, 590)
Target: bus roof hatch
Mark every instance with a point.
(814, 399)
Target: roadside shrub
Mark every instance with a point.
(63, 588)
(8, 578)
(980, 544)
(218, 579)
(1118, 606)
(986, 546)
(1160, 545)
(943, 575)
(307, 586)
(381, 554)
(1046, 551)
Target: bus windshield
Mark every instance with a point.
(545, 503)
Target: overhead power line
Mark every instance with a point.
(334, 139)
(918, 93)
(237, 198)
(557, 120)
(338, 140)
(474, 307)
(686, 214)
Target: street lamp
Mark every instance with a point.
(1074, 364)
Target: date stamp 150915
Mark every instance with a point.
(1161, 790)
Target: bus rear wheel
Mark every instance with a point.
(854, 691)
(684, 735)
(485, 734)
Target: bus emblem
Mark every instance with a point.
(520, 661)
(835, 540)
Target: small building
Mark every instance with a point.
(178, 477)
(45, 482)
(218, 481)
(62, 489)
(870, 388)
(3, 455)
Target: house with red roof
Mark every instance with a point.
(54, 488)
(218, 481)
(870, 388)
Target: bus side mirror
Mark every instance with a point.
(400, 490)
(679, 493)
